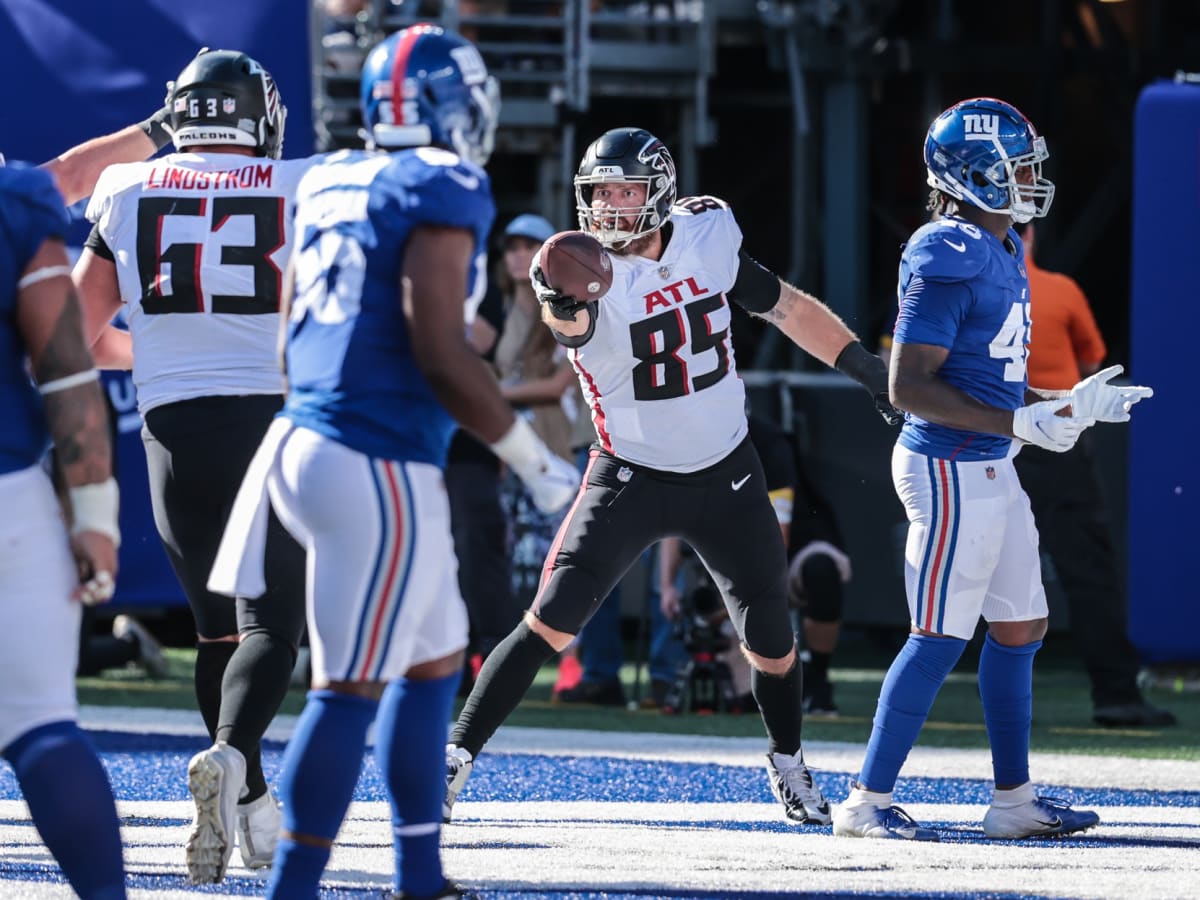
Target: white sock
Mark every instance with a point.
(1018, 796)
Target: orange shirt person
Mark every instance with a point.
(1065, 344)
(1069, 509)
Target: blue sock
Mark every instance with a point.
(410, 747)
(1006, 687)
(905, 699)
(71, 803)
(320, 769)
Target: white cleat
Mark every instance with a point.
(458, 769)
(259, 824)
(1020, 813)
(868, 814)
(216, 778)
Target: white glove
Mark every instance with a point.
(1095, 398)
(1039, 424)
(551, 480)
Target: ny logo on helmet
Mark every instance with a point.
(979, 126)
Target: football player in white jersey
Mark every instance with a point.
(195, 244)
(672, 458)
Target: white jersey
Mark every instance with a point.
(658, 372)
(200, 241)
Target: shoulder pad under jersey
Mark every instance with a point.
(694, 206)
(445, 188)
(947, 250)
(113, 181)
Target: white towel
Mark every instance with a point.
(238, 568)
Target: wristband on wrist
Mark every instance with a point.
(863, 366)
(94, 507)
(519, 446)
(156, 128)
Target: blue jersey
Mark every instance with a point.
(351, 370)
(31, 210)
(964, 289)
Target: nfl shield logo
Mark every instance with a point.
(991, 473)
(624, 474)
(228, 105)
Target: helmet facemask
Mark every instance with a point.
(1029, 197)
(604, 224)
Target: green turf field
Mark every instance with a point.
(1061, 718)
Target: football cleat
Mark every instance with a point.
(216, 778)
(258, 823)
(458, 769)
(1039, 817)
(448, 892)
(872, 815)
(793, 786)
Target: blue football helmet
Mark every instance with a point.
(425, 86)
(986, 153)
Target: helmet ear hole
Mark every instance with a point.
(978, 180)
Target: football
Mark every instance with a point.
(576, 265)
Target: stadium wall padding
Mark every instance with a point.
(1164, 491)
(76, 69)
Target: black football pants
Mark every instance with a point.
(196, 453)
(723, 512)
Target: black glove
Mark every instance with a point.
(562, 306)
(156, 127)
(868, 370)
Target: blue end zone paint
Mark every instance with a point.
(153, 767)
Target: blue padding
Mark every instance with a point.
(1164, 490)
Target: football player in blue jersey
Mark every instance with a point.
(46, 563)
(958, 370)
(389, 264)
(48, 566)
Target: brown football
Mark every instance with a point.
(576, 265)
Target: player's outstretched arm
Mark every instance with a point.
(76, 171)
(817, 329)
(50, 324)
(810, 324)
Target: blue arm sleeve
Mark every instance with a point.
(931, 312)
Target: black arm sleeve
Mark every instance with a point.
(756, 288)
(578, 340)
(96, 243)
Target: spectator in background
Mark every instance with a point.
(1068, 503)
(477, 519)
(537, 379)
